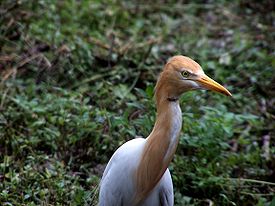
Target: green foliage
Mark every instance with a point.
(77, 81)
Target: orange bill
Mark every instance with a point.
(210, 84)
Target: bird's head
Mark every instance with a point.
(182, 74)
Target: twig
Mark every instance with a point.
(11, 7)
(149, 42)
(123, 49)
(94, 78)
(8, 57)
(7, 74)
(251, 180)
(170, 7)
(4, 97)
(112, 43)
(126, 47)
(95, 190)
(101, 44)
(130, 89)
(13, 71)
(130, 45)
(266, 147)
(256, 194)
(111, 50)
(27, 60)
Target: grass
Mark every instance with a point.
(77, 81)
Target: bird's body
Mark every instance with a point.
(120, 189)
(137, 173)
(119, 177)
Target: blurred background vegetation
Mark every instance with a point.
(77, 80)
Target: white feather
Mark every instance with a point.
(117, 186)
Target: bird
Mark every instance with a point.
(137, 174)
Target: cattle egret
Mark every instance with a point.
(137, 173)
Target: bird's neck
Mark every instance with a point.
(160, 145)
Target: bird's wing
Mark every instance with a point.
(116, 187)
(166, 198)
(166, 195)
(162, 194)
(125, 150)
(110, 198)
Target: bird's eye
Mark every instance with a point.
(185, 74)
